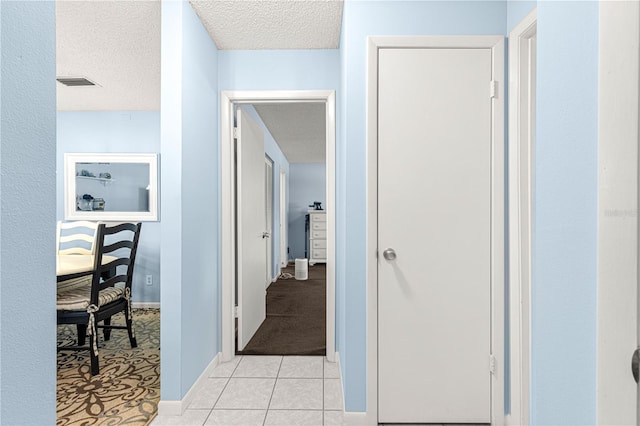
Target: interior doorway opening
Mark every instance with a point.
(231, 267)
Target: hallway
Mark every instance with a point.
(266, 390)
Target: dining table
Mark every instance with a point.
(69, 266)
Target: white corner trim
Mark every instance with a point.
(521, 139)
(176, 408)
(145, 305)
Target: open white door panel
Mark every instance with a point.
(251, 228)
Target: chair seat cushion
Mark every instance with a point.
(73, 284)
(77, 299)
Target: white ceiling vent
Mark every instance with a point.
(75, 81)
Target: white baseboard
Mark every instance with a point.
(358, 419)
(176, 408)
(169, 408)
(145, 305)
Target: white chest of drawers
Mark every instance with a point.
(317, 236)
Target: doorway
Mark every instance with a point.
(229, 100)
(436, 261)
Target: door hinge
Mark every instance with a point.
(493, 89)
(235, 133)
(492, 364)
(235, 312)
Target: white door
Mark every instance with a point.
(268, 179)
(434, 213)
(252, 244)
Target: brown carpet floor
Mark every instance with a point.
(127, 390)
(296, 317)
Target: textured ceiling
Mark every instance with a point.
(298, 128)
(272, 24)
(115, 44)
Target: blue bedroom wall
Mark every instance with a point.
(116, 132)
(189, 200)
(308, 184)
(27, 213)
(362, 19)
(273, 151)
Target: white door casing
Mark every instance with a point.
(252, 245)
(284, 256)
(399, 271)
(618, 139)
(268, 170)
(522, 78)
(227, 100)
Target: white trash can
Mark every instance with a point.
(302, 269)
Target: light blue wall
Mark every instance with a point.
(200, 212)
(308, 184)
(517, 10)
(360, 20)
(563, 339)
(190, 310)
(27, 215)
(279, 69)
(116, 132)
(273, 151)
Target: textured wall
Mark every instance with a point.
(189, 200)
(563, 295)
(200, 195)
(27, 213)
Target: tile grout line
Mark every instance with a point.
(221, 392)
(272, 391)
(323, 391)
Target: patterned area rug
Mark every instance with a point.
(127, 390)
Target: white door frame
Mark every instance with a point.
(521, 142)
(618, 139)
(284, 255)
(268, 162)
(227, 100)
(496, 44)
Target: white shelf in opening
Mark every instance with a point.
(99, 179)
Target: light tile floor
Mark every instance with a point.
(266, 390)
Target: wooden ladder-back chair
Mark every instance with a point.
(78, 237)
(88, 306)
(73, 239)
